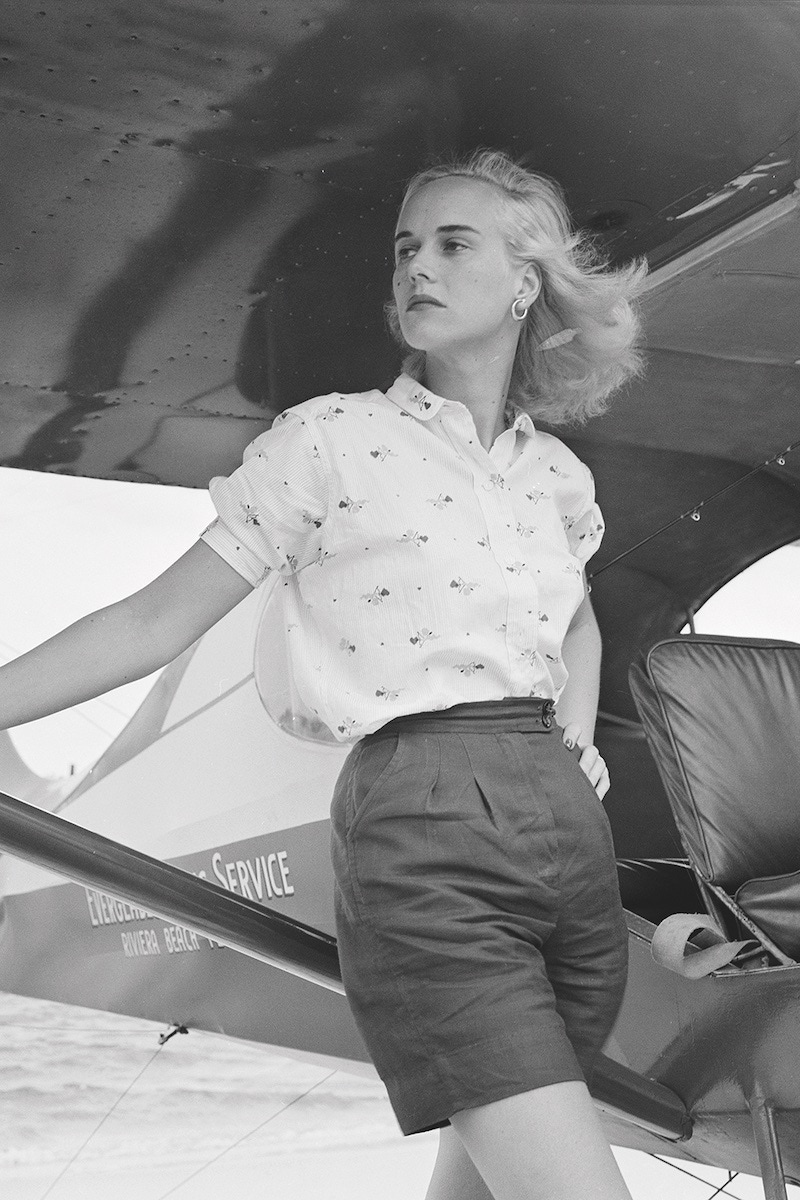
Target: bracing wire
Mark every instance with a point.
(101, 1122)
(107, 704)
(720, 1191)
(695, 511)
(176, 1029)
(244, 1137)
(85, 717)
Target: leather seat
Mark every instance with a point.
(722, 717)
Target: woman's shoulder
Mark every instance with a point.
(322, 426)
(563, 477)
(556, 456)
(336, 407)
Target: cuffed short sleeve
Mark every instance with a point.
(585, 529)
(271, 510)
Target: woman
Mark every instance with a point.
(432, 544)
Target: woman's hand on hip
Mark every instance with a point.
(593, 766)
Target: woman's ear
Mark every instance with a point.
(532, 283)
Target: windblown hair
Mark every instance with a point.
(568, 383)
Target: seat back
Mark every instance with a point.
(722, 716)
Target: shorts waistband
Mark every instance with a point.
(522, 714)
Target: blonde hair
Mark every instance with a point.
(568, 382)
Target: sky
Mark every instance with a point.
(70, 545)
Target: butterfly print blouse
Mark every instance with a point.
(419, 569)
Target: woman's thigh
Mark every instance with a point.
(545, 1144)
(455, 1176)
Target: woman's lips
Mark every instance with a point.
(418, 301)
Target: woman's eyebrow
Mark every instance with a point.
(442, 229)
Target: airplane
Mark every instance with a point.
(199, 204)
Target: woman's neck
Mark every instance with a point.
(482, 387)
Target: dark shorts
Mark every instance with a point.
(481, 936)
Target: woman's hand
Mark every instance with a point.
(593, 766)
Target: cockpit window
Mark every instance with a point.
(760, 602)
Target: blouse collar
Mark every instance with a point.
(423, 404)
(414, 399)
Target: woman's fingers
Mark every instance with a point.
(595, 769)
(571, 735)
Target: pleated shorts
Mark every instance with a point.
(481, 936)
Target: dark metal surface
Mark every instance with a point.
(620, 1092)
(712, 1042)
(199, 197)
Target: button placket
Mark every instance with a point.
(497, 507)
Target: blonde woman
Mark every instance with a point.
(432, 542)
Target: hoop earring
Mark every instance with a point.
(515, 314)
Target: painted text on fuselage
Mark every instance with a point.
(258, 878)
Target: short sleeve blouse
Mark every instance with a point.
(419, 569)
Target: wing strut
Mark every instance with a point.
(168, 892)
(769, 1151)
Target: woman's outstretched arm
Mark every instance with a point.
(123, 642)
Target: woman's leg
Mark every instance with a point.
(455, 1176)
(545, 1144)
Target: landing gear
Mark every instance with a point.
(769, 1151)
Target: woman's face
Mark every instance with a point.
(454, 280)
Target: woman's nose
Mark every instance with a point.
(420, 267)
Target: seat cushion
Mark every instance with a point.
(774, 904)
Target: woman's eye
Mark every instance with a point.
(404, 252)
(453, 245)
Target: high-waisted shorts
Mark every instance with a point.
(482, 941)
